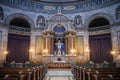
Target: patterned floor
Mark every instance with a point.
(59, 74)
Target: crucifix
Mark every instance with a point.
(59, 46)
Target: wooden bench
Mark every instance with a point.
(12, 77)
(105, 76)
(30, 73)
(87, 74)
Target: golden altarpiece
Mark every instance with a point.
(59, 41)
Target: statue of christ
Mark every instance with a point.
(59, 46)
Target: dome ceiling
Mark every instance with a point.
(58, 1)
(55, 6)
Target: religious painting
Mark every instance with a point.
(1, 13)
(118, 41)
(79, 46)
(117, 13)
(40, 21)
(39, 45)
(77, 21)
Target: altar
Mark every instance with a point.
(60, 59)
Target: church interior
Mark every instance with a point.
(59, 39)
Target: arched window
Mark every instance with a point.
(20, 22)
(98, 22)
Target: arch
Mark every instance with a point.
(59, 29)
(20, 22)
(98, 22)
(59, 17)
(18, 15)
(99, 15)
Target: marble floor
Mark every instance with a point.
(59, 74)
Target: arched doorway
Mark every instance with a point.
(18, 43)
(100, 44)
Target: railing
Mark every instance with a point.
(99, 28)
(19, 30)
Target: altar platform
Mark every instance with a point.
(59, 59)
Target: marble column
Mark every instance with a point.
(51, 45)
(69, 43)
(73, 41)
(48, 43)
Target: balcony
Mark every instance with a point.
(99, 30)
(19, 30)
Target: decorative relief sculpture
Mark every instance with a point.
(1, 13)
(77, 21)
(41, 21)
(118, 13)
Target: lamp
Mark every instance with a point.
(87, 50)
(114, 53)
(72, 51)
(45, 51)
(31, 50)
(5, 53)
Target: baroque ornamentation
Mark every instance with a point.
(40, 21)
(77, 21)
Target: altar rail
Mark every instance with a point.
(59, 65)
(68, 59)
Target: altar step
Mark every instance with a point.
(59, 74)
(59, 78)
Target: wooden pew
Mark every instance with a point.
(30, 73)
(12, 77)
(105, 76)
(87, 73)
(37, 73)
